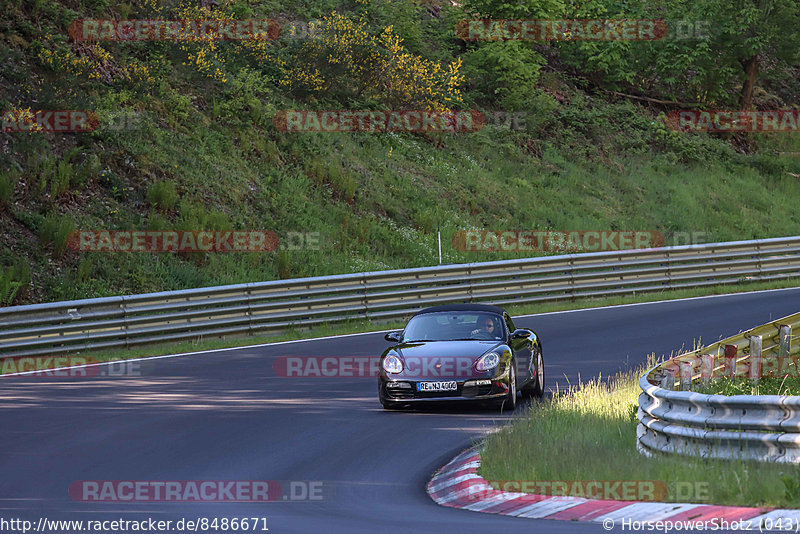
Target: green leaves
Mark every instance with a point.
(13, 280)
(521, 9)
(703, 57)
(504, 72)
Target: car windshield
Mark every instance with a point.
(452, 326)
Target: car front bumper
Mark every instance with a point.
(404, 391)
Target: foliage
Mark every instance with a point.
(702, 56)
(527, 9)
(61, 178)
(204, 128)
(162, 195)
(742, 386)
(217, 59)
(504, 73)
(591, 434)
(346, 59)
(54, 230)
(7, 184)
(14, 280)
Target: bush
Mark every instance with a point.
(348, 59)
(37, 169)
(284, 264)
(342, 182)
(7, 185)
(162, 195)
(273, 153)
(425, 220)
(504, 72)
(157, 222)
(315, 170)
(194, 217)
(84, 270)
(13, 281)
(55, 230)
(61, 178)
(8, 287)
(89, 169)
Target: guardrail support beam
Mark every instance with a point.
(784, 347)
(730, 361)
(668, 380)
(755, 359)
(686, 375)
(706, 368)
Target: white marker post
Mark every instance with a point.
(439, 236)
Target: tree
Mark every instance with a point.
(745, 38)
(753, 32)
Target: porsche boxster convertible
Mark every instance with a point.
(461, 352)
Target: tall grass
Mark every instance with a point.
(14, 280)
(789, 385)
(54, 230)
(162, 195)
(60, 181)
(7, 184)
(589, 433)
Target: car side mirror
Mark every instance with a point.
(520, 333)
(393, 337)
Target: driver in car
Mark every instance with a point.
(487, 328)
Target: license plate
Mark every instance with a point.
(437, 386)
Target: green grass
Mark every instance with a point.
(588, 433)
(743, 386)
(205, 152)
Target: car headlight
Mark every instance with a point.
(392, 364)
(488, 361)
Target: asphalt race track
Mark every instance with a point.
(225, 415)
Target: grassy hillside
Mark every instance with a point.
(199, 150)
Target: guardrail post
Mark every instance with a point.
(784, 345)
(469, 284)
(755, 358)
(706, 368)
(730, 361)
(365, 295)
(686, 376)
(668, 380)
(248, 294)
(572, 276)
(669, 265)
(124, 318)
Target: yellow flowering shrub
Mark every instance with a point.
(209, 55)
(67, 61)
(343, 54)
(136, 72)
(95, 63)
(24, 117)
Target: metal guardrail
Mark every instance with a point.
(113, 322)
(747, 427)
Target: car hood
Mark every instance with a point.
(443, 360)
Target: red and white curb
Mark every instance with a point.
(458, 485)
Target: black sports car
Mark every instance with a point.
(461, 352)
